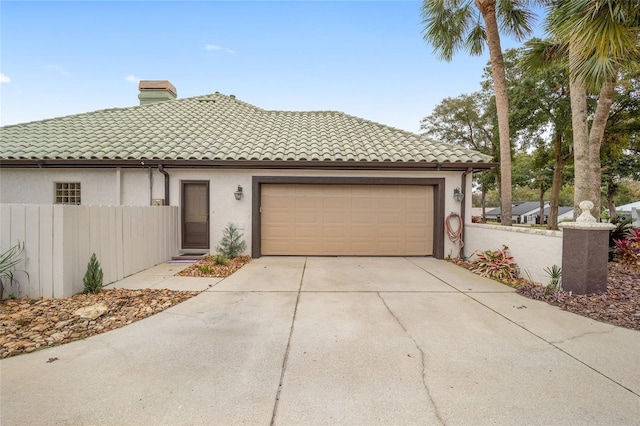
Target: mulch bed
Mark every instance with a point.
(619, 305)
(27, 325)
(207, 267)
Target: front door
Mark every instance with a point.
(195, 214)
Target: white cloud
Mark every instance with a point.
(4, 78)
(213, 47)
(57, 68)
(132, 79)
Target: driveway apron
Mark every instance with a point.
(353, 341)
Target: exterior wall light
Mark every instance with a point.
(238, 193)
(458, 195)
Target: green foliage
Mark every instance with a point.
(496, 264)
(220, 259)
(93, 277)
(206, 270)
(8, 262)
(555, 274)
(627, 249)
(231, 244)
(618, 233)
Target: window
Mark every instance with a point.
(68, 193)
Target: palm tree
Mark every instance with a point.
(451, 25)
(600, 36)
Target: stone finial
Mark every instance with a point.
(585, 216)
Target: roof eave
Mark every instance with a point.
(245, 164)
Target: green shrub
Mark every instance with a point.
(496, 264)
(219, 259)
(231, 244)
(206, 270)
(93, 277)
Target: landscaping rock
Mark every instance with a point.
(91, 312)
(29, 325)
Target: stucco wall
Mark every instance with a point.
(533, 249)
(100, 187)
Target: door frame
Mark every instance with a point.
(182, 213)
(438, 185)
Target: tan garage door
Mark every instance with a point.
(378, 220)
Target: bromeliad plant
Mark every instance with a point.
(627, 249)
(498, 264)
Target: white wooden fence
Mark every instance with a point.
(59, 241)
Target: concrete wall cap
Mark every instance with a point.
(593, 226)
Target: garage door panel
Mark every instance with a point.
(346, 220)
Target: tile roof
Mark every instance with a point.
(220, 127)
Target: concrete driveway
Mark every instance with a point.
(360, 341)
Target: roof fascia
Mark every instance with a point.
(245, 164)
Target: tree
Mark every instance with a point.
(451, 25)
(620, 145)
(542, 109)
(599, 38)
(467, 121)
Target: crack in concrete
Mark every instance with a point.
(285, 360)
(555, 342)
(422, 358)
(552, 344)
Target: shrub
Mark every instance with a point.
(496, 264)
(220, 259)
(627, 249)
(619, 232)
(206, 270)
(231, 244)
(93, 277)
(8, 261)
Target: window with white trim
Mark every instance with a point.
(68, 193)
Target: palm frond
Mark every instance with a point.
(445, 24)
(515, 18)
(541, 54)
(476, 39)
(603, 35)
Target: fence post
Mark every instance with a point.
(585, 253)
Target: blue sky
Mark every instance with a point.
(365, 58)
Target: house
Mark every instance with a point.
(295, 183)
(523, 212)
(564, 213)
(630, 211)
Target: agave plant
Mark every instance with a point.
(8, 261)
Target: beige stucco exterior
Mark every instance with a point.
(127, 186)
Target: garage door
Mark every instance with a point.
(366, 220)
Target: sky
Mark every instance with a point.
(364, 58)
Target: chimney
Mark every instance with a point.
(153, 91)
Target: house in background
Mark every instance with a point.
(295, 183)
(565, 213)
(630, 211)
(523, 212)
